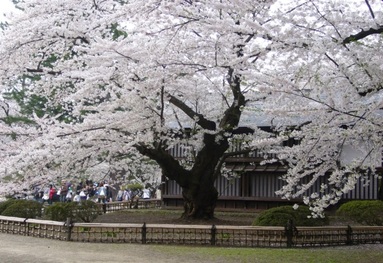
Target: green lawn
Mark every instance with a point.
(346, 254)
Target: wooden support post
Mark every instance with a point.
(213, 235)
(26, 227)
(69, 227)
(290, 230)
(143, 234)
(349, 235)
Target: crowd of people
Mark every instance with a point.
(100, 192)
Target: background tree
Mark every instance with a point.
(331, 81)
(139, 78)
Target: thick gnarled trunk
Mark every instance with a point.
(198, 190)
(200, 201)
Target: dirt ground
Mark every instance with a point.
(24, 249)
(164, 216)
(158, 216)
(20, 249)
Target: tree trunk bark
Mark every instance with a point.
(200, 199)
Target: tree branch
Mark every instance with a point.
(233, 114)
(171, 168)
(201, 120)
(370, 9)
(78, 132)
(362, 34)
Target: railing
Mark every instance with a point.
(136, 203)
(234, 236)
(34, 227)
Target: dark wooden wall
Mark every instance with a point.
(256, 190)
(256, 187)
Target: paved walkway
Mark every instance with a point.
(24, 249)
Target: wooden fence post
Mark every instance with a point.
(349, 235)
(143, 233)
(213, 235)
(26, 227)
(69, 226)
(290, 230)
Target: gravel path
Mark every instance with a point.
(24, 249)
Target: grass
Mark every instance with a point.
(165, 216)
(341, 254)
(154, 216)
(266, 255)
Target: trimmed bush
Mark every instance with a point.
(4, 205)
(86, 211)
(366, 212)
(59, 211)
(279, 216)
(24, 209)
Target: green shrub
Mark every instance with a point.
(4, 205)
(59, 211)
(279, 216)
(24, 209)
(366, 212)
(86, 211)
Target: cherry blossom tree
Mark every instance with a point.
(132, 79)
(335, 71)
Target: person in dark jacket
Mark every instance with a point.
(63, 191)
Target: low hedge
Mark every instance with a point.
(366, 212)
(22, 208)
(86, 211)
(279, 216)
(4, 205)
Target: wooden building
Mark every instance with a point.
(255, 188)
